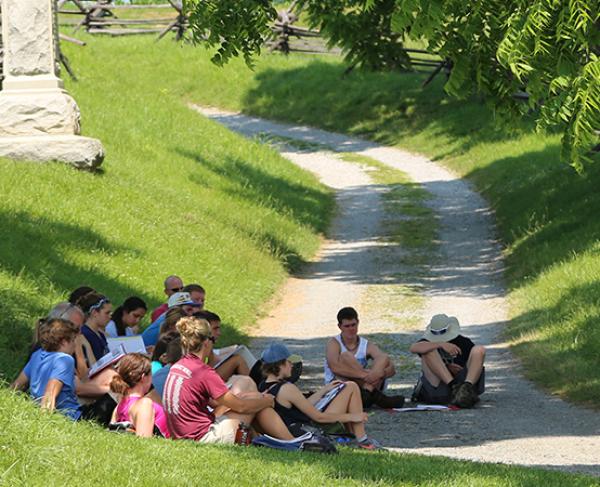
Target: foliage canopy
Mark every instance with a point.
(547, 50)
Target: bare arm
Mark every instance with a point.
(142, 417)
(245, 406)
(337, 366)
(52, 391)
(381, 362)
(21, 383)
(426, 347)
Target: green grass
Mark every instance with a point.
(546, 213)
(176, 194)
(49, 450)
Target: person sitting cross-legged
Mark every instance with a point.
(294, 407)
(132, 381)
(200, 406)
(348, 356)
(453, 371)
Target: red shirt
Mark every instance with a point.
(159, 311)
(189, 386)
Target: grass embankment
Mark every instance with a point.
(41, 449)
(546, 213)
(177, 194)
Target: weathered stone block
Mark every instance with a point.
(81, 152)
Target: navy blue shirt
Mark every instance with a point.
(97, 342)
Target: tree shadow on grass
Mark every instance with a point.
(385, 107)
(38, 253)
(546, 211)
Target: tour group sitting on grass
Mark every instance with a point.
(185, 388)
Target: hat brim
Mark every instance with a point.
(186, 303)
(294, 358)
(450, 334)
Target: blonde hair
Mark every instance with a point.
(194, 332)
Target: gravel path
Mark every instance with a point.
(515, 422)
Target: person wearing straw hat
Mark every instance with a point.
(452, 365)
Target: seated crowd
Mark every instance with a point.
(185, 388)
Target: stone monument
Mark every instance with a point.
(39, 120)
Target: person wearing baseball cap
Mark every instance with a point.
(295, 409)
(180, 299)
(452, 365)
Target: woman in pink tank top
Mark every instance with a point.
(133, 381)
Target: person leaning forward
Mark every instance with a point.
(452, 365)
(348, 356)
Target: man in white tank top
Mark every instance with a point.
(348, 356)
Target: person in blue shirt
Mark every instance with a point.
(50, 372)
(182, 300)
(172, 355)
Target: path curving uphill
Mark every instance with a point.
(515, 423)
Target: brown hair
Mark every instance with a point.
(194, 332)
(197, 288)
(132, 367)
(173, 316)
(162, 343)
(92, 301)
(53, 332)
(273, 368)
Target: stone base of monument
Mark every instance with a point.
(81, 152)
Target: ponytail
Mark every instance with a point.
(130, 370)
(118, 385)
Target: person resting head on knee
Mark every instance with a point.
(132, 382)
(452, 365)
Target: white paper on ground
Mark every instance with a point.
(422, 407)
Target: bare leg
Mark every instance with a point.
(269, 422)
(349, 401)
(475, 364)
(434, 368)
(349, 360)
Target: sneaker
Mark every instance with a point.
(387, 402)
(465, 396)
(371, 444)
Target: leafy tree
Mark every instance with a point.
(549, 50)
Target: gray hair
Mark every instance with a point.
(64, 311)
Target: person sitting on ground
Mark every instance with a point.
(171, 318)
(234, 365)
(132, 381)
(192, 386)
(197, 293)
(452, 365)
(78, 293)
(347, 358)
(126, 318)
(159, 354)
(172, 355)
(173, 284)
(182, 300)
(50, 372)
(97, 309)
(294, 407)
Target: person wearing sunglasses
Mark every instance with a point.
(353, 357)
(173, 284)
(452, 365)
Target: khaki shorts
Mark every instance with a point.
(221, 431)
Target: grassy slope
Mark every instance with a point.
(53, 451)
(177, 194)
(546, 213)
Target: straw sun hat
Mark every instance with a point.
(442, 328)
